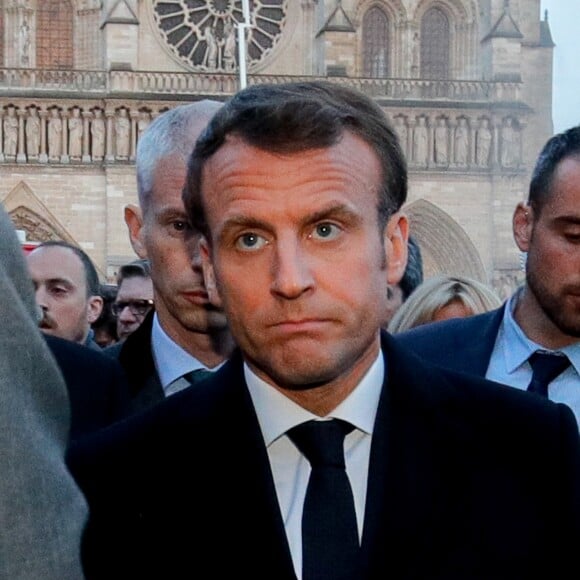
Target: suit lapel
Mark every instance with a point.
(266, 546)
(475, 358)
(406, 502)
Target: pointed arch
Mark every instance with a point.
(54, 34)
(448, 32)
(435, 44)
(375, 43)
(28, 213)
(445, 247)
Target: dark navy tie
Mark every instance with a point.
(197, 375)
(330, 546)
(546, 367)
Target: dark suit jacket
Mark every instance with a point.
(136, 358)
(460, 344)
(468, 479)
(96, 385)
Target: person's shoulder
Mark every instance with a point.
(452, 327)
(475, 405)
(76, 360)
(114, 350)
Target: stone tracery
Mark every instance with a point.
(203, 34)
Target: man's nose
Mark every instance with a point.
(292, 275)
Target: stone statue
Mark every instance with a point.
(229, 54)
(211, 53)
(441, 142)
(461, 142)
(420, 142)
(75, 131)
(24, 35)
(10, 126)
(98, 135)
(483, 144)
(510, 145)
(143, 123)
(402, 132)
(33, 133)
(54, 135)
(122, 130)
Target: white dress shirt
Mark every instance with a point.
(509, 362)
(171, 361)
(277, 415)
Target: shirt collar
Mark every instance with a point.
(277, 413)
(171, 361)
(517, 347)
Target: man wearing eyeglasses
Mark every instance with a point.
(134, 298)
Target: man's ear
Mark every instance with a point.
(522, 224)
(95, 307)
(395, 241)
(209, 273)
(134, 221)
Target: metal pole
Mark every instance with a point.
(242, 55)
(242, 43)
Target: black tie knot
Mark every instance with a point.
(197, 375)
(321, 442)
(546, 367)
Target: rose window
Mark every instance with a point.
(203, 34)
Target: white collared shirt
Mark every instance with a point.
(277, 415)
(509, 364)
(171, 361)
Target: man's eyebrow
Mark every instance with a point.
(64, 281)
(340, 210)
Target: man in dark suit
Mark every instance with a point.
(322, 449)
(185, 333)
(96, 386)
(544, 314)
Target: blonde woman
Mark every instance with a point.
(442, 297)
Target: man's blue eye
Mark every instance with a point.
(251, 241)
(326, 231)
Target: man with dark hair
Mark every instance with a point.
(67, 291)
(541, 321)
(134, 298)
(322, 449)
(105, 326)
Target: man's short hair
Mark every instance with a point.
(294, 117)
(171, 133)
(558, 148)
(137, 269)
(413, 275)
(91, 275)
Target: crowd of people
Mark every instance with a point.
(275, 378)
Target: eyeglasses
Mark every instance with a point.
(137, 307)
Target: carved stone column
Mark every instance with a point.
(452, 127)
(64, 158)
(43, 157)
(431, 143)
(110, 152)
(471, 157)
(86, 158)
(134, 117)
(21, 155)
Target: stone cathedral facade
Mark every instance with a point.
(466, 83)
